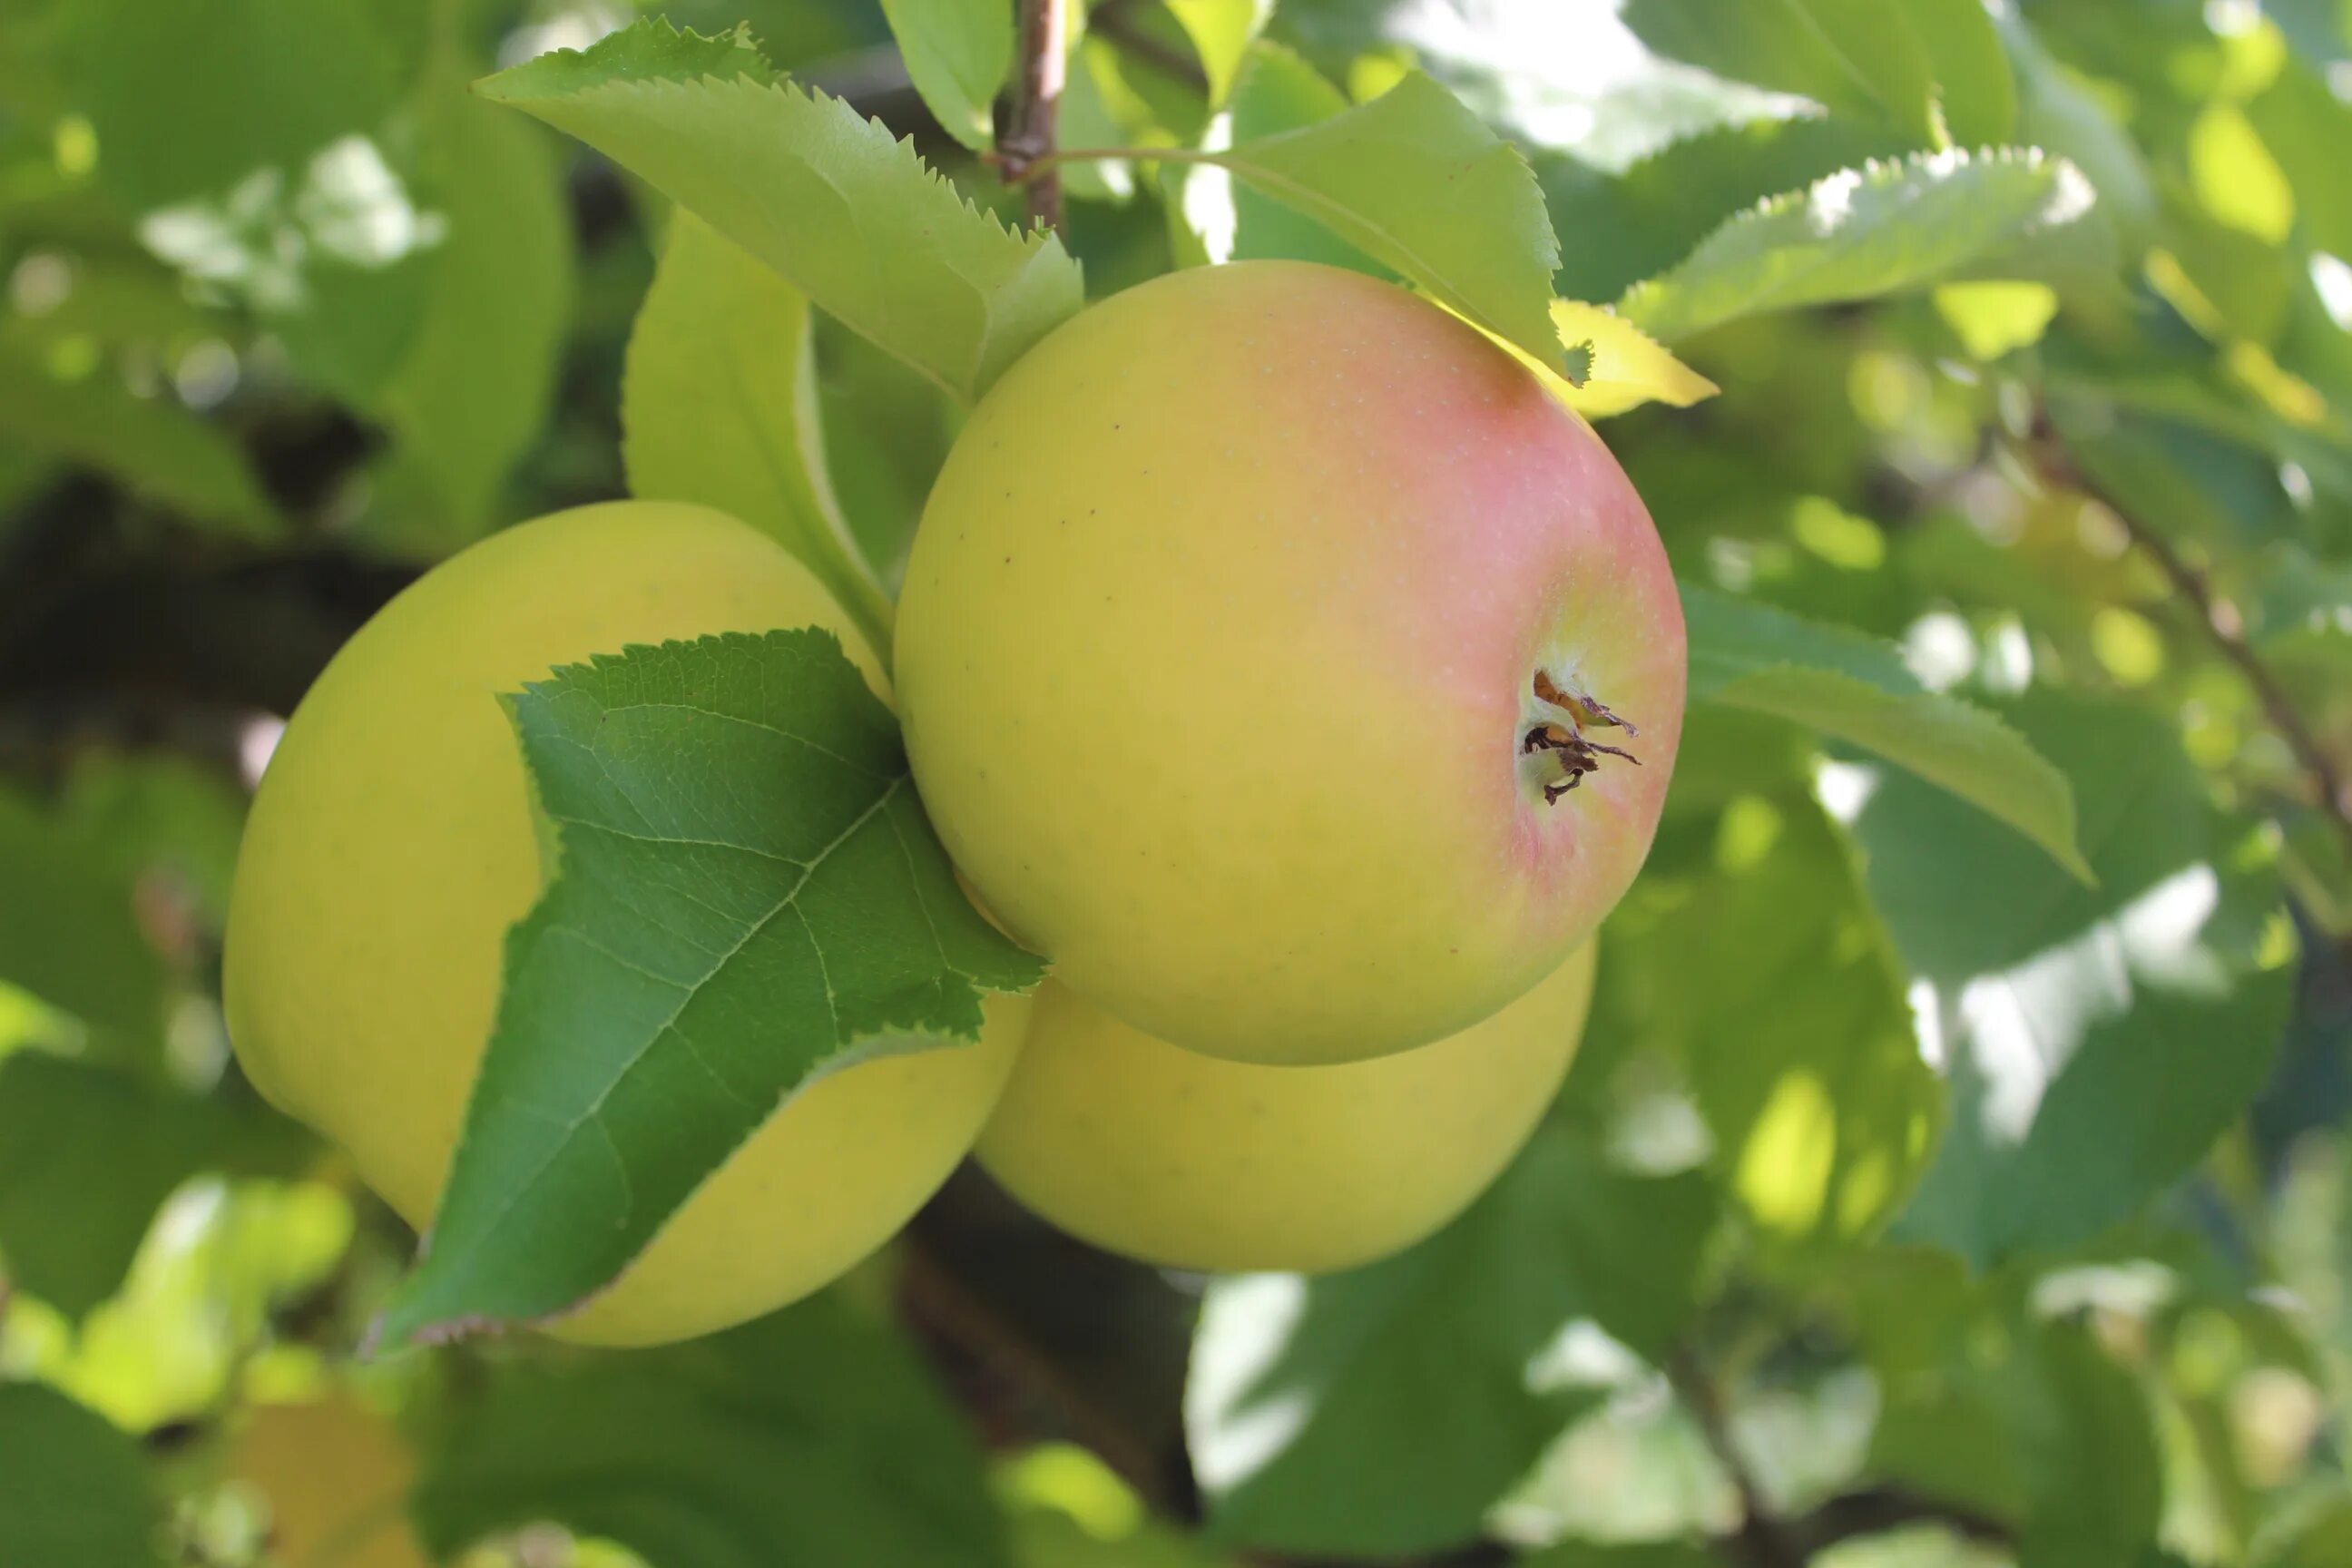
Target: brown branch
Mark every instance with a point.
(2225, 628)
(1763, 1540)
(1030, 123)
(1878, 1510)
(940, 1302)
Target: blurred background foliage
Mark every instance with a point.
(1913, 1204)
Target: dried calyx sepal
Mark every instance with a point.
(1563, 738)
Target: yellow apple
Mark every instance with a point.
(336, 1477)
(1184, 1160)
(1282, 660)
(392, 845)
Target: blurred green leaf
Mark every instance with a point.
(822, 195)
(1976, 96)
(87, 1156)
(474, 385)
(188, 101)
(1820, 1108)
(2056, 112)
(152, 445)
(2096, 1038)
(957, 51)
(1854, 57)
(2031, 1423)
(809, 1436)
(1845, 685)
(1628, 1554)
(2309, 130)
(152, 811)
(1221, 32)
(1887, 230)
(655, 1009)
(1414, 180)
(1572, 77)
(74, 1492)
(68, 930)
(719, 407)
(1311, 1401)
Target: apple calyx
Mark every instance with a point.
(1563, 713)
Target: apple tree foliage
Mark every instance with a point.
(1957, 1169)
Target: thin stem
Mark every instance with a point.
(1025, 150)
(1031, 169)
(1762, 1541)
(2225, 629)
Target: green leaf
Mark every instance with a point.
(825, 197)
(2055, 112)
(87, 1156)
(1309, 1397)
(747, 891)
(809, 1436)
(1856, 690)
(74, 1492)
(1221, 32)
(1417, 182)
(69, 934)
(188, 101)
(1889, 229)
(2047, 1434)
(1223, 220)
(151, 446)
(473, 387)
(1616, 230)
(719, 405)
(957, 52)
(1976, 95)
(1799, 1051)
(652, 50)
(2096, 1038)
(1853, 56)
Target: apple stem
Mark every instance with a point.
(1577, 753)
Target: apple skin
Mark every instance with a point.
(1186, 1162)
(392, 845)
(1217, 652)
(337, 1477)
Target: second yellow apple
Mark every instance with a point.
(1190, 1161)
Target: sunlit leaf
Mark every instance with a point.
(957, 52)
(827, 199)
(1626, 367)
(1414, 180)
(719, 407)
(1748, 655)
(1221, 32)
(1885, 229)
(2096, 1038)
